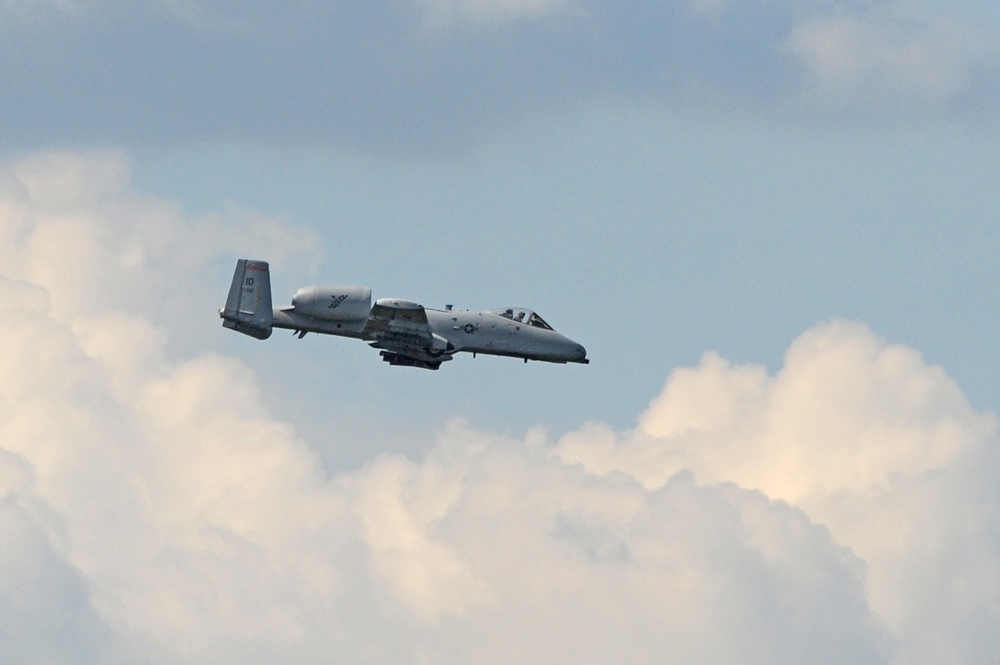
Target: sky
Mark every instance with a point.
(772, 224)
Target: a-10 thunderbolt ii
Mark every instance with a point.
(406, 333)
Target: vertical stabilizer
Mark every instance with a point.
(248, 307)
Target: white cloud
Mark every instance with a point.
(73, 227)
(887, 57)
(143, 461)
(840, 511)
(865, 438)
(846, 413)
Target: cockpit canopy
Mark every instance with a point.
(520, 315)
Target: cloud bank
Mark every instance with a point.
(429, 75)
(841, 510)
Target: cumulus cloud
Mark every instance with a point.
(74, 228)
(866, 439)
(842, 510)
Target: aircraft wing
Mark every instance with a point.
(389, 313)
(400, 328)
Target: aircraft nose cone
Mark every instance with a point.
(581, 353)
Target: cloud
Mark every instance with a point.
(488, 11)
(45, 609)
(74, 228)
(870, 410)
(88, 397)
(867, 440)
(887, 58)
(435, 75)
(843, 510)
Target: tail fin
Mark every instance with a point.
(248, 307)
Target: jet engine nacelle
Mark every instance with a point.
(334, 303)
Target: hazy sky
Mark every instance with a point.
(773, 224)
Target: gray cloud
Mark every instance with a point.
(45, 609)
(434, 75)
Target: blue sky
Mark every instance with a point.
(651, 238)
(773, 225)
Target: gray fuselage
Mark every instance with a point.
(405, 333)
(486, 332)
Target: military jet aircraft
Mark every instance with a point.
(406, 333)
